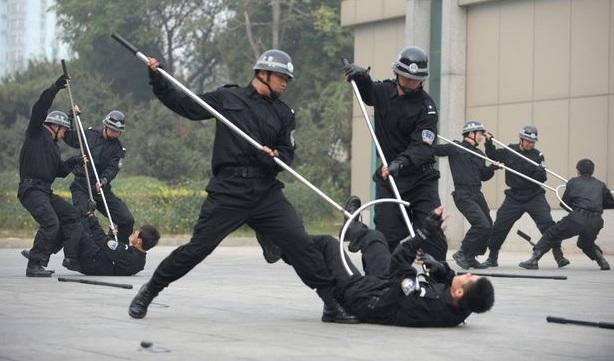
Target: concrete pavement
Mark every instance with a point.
(234, 306)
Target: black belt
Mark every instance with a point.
(244, 172)
(587, 212)
(34, 182)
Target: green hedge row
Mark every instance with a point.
(174, 209)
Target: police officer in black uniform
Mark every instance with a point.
(406, 127)
(244, 188)
(108, 154)
(468, 173)
(101, 255)
(588, 197)
(522, 195)
(392, 292)
(40, 163)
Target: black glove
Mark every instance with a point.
(395, 167)
(103, 182)
(74, 161)
(432, 223)
(71, 113)
(436, 269)
(353, 71)
(61, 82)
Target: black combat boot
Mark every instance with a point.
(561, 261)
(140, 302)
(531, 263)
(71, 264)
(34, 269)
(334, 312)
(461, 260)
(356, 230)
(351, 205)
(601, 261)
(491, 261)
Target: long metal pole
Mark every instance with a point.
(381, 155)
(508, 169)
(529, 160)
(78, 126)
(90, 158)
(227, 122)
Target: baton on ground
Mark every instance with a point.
(526, 237)
(89, 155)
(555, 190)
(97, 283)
(553, 319)
(228, 123)
(512, 275)
(529, 160)
(381, 155)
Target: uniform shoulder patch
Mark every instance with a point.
(112, 244)
(428, 136)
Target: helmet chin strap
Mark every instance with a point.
(55, 132)
(407, 90)
(273, 94)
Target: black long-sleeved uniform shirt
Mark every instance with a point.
(100, 255)
(107, 156)
(405, 126)
(588, 193)
(269, 121)
(40, 158)
(520, 188)
(396, 301)
(467, 169)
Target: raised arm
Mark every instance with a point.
(42, 105)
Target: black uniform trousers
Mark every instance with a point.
(54, 215)
(511, 210)
(119, 211)
(423, 199)
(472, 204)
(360, 293)
(584, 224)
(259, 203)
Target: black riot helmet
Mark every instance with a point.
(277, 61)
(473, 126)
(58, 117)
(412, 63)
(528, 132)
(115, 120)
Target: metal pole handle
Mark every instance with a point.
(351, 219)
(507, 169)
(381, 155)
(72, 104)
(82, 142)
(228, 123)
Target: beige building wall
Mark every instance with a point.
(548, 63)
(544, 62)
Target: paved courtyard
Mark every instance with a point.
(234, 306)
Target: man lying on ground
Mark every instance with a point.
(393, 292)
(101, 255)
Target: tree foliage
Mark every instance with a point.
(204, 44)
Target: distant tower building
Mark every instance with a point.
(28, 31)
